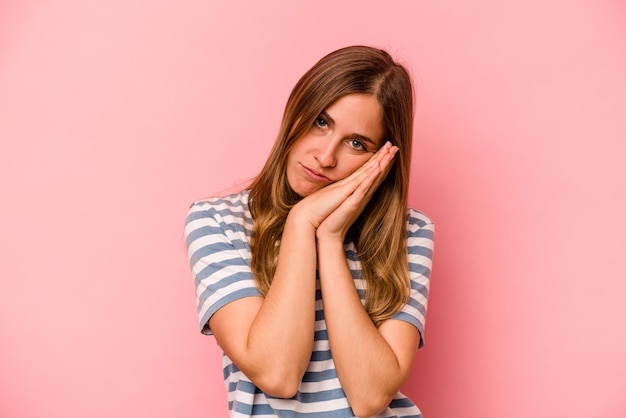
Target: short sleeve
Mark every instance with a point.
(420, 243)
(219, 255)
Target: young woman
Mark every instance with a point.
(314, 280)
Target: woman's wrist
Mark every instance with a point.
(297, 218)
(329, 240)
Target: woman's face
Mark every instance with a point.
(343, 137)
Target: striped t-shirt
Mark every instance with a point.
(217, 233)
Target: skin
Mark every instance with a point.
(336, 167)
(342, 139)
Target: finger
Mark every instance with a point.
(382, 151)
(366, 188)
(359, 174)
(377, 159)
(360, 187)
(387, 160)
(377, 176)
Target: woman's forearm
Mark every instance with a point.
(285, 324)
(369, 369)
(270, 339)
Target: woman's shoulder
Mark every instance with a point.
(232, 208)
(419, 218)
(233, 200)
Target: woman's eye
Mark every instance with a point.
(320, 122)
(357, 145)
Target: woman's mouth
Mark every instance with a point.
(315, 175)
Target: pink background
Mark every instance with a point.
(115, 115)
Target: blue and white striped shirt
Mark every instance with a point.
(217, 233)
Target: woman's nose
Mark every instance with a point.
(327, 154)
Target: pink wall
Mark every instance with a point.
(115, 115)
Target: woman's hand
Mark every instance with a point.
(357, 192)
(355, 189)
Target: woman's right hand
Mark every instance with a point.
(316, 207)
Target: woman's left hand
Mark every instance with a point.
(336, 224)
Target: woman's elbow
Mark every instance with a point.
(281, 391)
(371, 406)
(279, 386)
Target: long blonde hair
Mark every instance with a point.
(380, 232)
